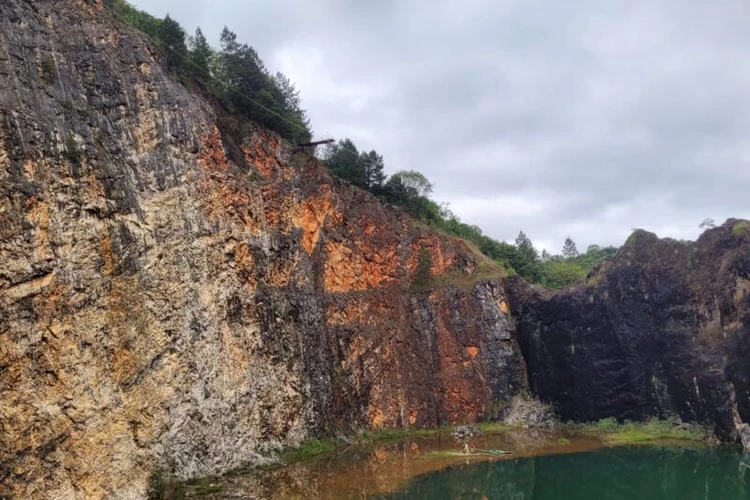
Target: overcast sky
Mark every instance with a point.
(584, 118)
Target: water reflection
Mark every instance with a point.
(542, 466)
(378, 468)
(641, 472)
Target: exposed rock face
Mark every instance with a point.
(172, 297)
(744, 431)
(663, 329)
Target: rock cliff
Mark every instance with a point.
(176, 294)
(172, 295)
(663, 329)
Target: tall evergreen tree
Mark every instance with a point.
(526, 262)
(248, 89)
(172, 39)
(289, 92)
(343, 159)
(374, 173)
(200, 57)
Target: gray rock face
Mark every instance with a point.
(174, 297)
(744, 433)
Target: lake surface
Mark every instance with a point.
(543, 465)
(638, 472)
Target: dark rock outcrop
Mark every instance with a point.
(663, 329)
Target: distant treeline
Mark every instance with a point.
(234, 74)
(410, 189)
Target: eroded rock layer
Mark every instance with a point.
(661, 330)
(172, 296)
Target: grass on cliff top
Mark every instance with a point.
(613, 432)
(486, 268)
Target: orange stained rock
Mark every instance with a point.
(347, 270)
(224, 201)
(466, 392)
(38, 216)
(107, 256)
(355, 311)
(504, 307)
(222, 196)
(212, 155)
(377, 419)
(262, 153)
(29, 168)
(413, 416)
(245, 264)
(311, 215)
(442, 259)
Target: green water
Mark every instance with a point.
(639, 472)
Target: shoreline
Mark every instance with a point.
(378, 463)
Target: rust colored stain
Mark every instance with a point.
(310, 217)
(212, 155)
(348, 269)
(263, 153)
(504, 307)
(413, 417)
(222, 197)
(442, 258)
(108, 258)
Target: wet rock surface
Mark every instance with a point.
(662, 329)
(171, 299)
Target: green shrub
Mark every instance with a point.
(608, 424)
(49, 69)
(72, 153)
(559, 274)
(612, 432)
(741, 229)
(422, 281)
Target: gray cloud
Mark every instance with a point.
(584, 119)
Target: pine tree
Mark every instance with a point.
(291, 107)
(526, 259)
(523, 242)
(200, 57)
(172, 39)
(344, 160)
(374, 173)
(248, 89)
